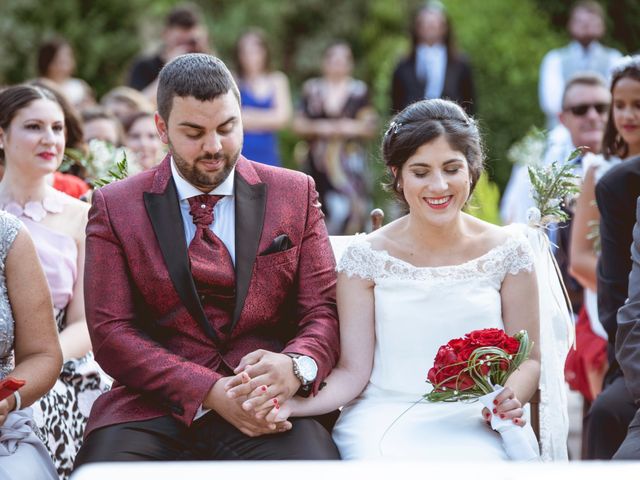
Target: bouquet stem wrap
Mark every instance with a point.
(516, 440)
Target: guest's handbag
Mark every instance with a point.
(9, 385)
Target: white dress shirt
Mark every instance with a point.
(431, 64)
(224, 212)
(552, 81)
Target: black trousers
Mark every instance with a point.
(208, 438)
(608, 420)
(630, 448)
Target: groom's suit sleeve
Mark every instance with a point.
(628, 336)
(318, 332)
(120, 346)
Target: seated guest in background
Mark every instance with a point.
(434, 68)
(265, 96)
(72, 181)
(29, 351)
(587, 363)
(141, 138)
(210, 257)
(123, 102)
(337, 119)
(98, 124)
(183, 33)
(616, 195)
(57, 63)
(32, 135)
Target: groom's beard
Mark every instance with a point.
(203, 180)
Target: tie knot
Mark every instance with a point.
(201, 209)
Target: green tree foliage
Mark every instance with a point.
(505, 41)
(104, 35)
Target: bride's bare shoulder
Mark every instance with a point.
(385, 236)
(488, 234)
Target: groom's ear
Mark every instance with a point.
(162, 127)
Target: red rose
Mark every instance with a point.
(511, 345)
(488, 337)
(447, 368)
(463, 347)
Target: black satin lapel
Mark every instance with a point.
(164, 212)
(251, 201)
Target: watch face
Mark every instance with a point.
(308, 368)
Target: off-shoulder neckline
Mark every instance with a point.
(511, 239)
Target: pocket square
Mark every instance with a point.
(279, 244)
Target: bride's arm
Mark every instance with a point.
(351, 374)
(520, 311)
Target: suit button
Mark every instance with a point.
(202, 298)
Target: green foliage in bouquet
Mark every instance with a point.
(119, 172)
(552, 184)
(102, 163)
(474, 377)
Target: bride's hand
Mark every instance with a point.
(506, 406)
(281, 414)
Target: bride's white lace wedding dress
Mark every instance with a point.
(416, 311)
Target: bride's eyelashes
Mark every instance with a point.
(450, 171)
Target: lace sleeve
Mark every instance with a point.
(359, 259)
(9, 228)
(520, 256)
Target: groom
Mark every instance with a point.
(190, 267)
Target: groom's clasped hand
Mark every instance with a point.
(263, 382)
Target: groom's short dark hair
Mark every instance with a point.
(197, 75)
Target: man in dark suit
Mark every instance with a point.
(434, 69)
(628, 348)
(190, 267)
(613, 409)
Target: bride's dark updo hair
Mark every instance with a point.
(423, 122)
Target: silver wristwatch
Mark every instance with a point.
(304, 368)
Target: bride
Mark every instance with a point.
(413, 285)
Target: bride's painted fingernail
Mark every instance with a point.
(495, 402)
(516, 420)
(501, 415)
(263, 388)
(495, 410)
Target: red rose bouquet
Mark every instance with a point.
(475, 367)
(469, 367)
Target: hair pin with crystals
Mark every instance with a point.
(393, 128)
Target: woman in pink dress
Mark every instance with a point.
(32, 141)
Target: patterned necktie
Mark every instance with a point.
(211, 264)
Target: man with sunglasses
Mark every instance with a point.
(585, 104)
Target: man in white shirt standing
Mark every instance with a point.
(584, 54)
